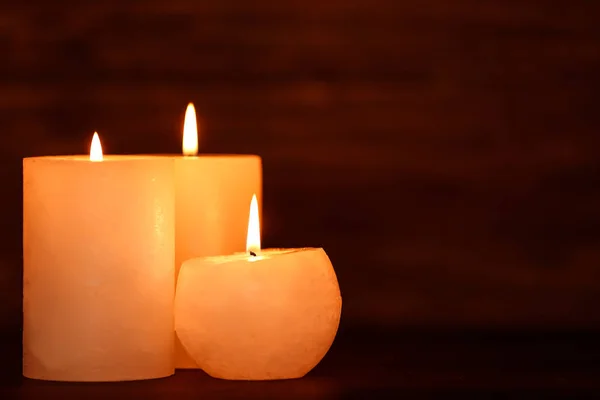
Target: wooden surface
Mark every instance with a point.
(372, 364)
(445, 154)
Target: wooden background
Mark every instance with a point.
(445, 153)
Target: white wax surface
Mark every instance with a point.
(273, 316)
(213, 194)
(99, 253)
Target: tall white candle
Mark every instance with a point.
(98, 249)
(212, 193)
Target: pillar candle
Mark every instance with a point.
(270, 314)
(211, 193)
(98, 273)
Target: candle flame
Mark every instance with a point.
(190, 132)
(253, 238)
(96, 149)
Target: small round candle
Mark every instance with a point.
(260, 315)
(98, 273)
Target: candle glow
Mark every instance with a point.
(190, 132)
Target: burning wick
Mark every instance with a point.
(253, 237)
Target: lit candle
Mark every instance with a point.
(98, 273)
(263, 314)
(211, 204)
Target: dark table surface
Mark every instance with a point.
(377, 363)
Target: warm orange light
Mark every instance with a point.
(96, 149)
(190, 132)
(253, 238)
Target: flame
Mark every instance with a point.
(96, 149)
(253, 238)
(190, 132)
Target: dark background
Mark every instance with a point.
(444, 153)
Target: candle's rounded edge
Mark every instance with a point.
(161, 375)
(121, 158)
(109, 158)
(223, 158)
(271, 377)
(222, 155)
(273, 252)
(199, 155)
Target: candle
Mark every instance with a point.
(211, 204)
(270, 314)
(98, 273)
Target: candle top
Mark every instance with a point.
(122, 157)
(203, 156)
(264, 255)
(86, 158)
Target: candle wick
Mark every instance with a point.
(253, 254)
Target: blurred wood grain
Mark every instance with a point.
(444, 153)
